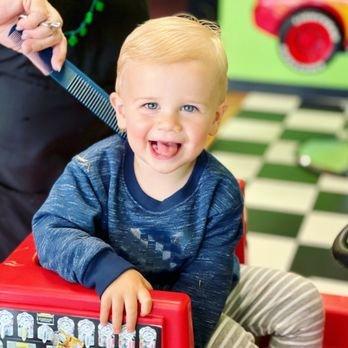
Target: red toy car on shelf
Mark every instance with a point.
(310, 31)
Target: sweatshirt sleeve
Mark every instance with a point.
(68, 234)
(213, 273)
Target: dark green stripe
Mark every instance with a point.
(291, 134)
(239, 147)
(259, 115)
(312, 261)
(275, 223)
(332, 202)
(287, 172)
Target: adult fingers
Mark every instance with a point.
(9, 11)
(59, 54)
(35, 45)
(37, 11)
(39, 32)
(38, 40)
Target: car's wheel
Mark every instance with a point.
(309, 39)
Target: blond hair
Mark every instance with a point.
(174, 39)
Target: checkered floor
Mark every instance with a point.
(293, 214)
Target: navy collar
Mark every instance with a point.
(153, 204)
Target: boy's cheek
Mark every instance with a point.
(136, 134)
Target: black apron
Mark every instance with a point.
(41, 126)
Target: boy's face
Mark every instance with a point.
(168, 111)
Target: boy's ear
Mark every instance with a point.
(117, 103)
(218, 117)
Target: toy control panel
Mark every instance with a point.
(40, 309)
(23, 329)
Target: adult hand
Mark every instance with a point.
(35, 37)
(124, 294)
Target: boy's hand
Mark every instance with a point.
(124, 293)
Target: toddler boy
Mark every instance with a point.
(155, 210)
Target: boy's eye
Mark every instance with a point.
(190, 108)
(151, 106)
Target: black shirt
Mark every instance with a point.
(41, 125)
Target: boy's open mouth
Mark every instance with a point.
(164, 149)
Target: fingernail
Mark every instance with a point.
(57, 68)
(19, 27)
(57, 65)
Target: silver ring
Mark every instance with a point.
(54, 25)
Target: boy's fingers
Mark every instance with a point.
(117, 314)
(105, 305)
(148, 285)
(145, 302)
(131, 313)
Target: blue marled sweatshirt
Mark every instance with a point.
(97, 223)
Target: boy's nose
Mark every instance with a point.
(169, 122)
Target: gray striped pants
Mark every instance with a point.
(271, 302)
